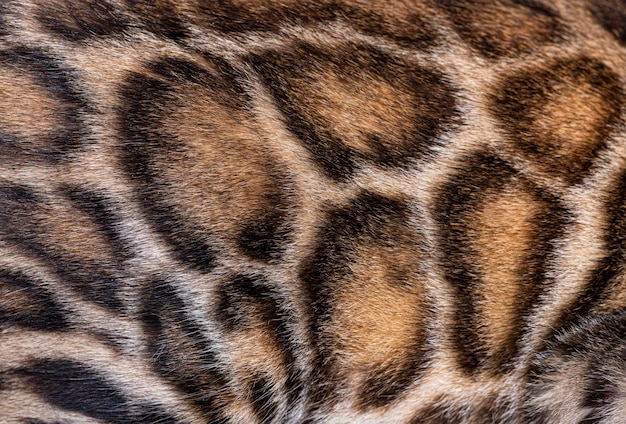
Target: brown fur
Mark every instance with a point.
(312, 211)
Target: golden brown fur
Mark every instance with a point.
(312, 211)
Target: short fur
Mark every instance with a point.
(329, 211)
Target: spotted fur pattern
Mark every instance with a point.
(318, 211)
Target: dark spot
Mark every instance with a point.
(504, 27)
(27, 302)
(39, 421)
(16, 193)
(101, 210)
(74, 387)
(319, 91)
(384, 384)
(599, 393)
(162, 18)
(76, 21)
(246, 298)
(262, 239)
(440, 412)
(263, 401)
(611, 14)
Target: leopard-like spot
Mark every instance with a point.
(48, 124)
(559, 117)
(504, 27)
(187, 131)
(368, 302)
(355, 104)
(497, 232)
(611, 14)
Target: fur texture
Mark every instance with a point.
(346, 211)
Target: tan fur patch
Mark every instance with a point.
(359, 107)
(375, 329)
(570, 121)
(27, 111)
(504, 230)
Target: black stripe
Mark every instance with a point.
(3, 20)
(41, 311)
(74, 387)
(162, 18)
(76, 21)
(182, 354)
(247, 298)
(100, 209)
(263, 400)
(40, 421)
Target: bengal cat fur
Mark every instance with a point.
(346, 211)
